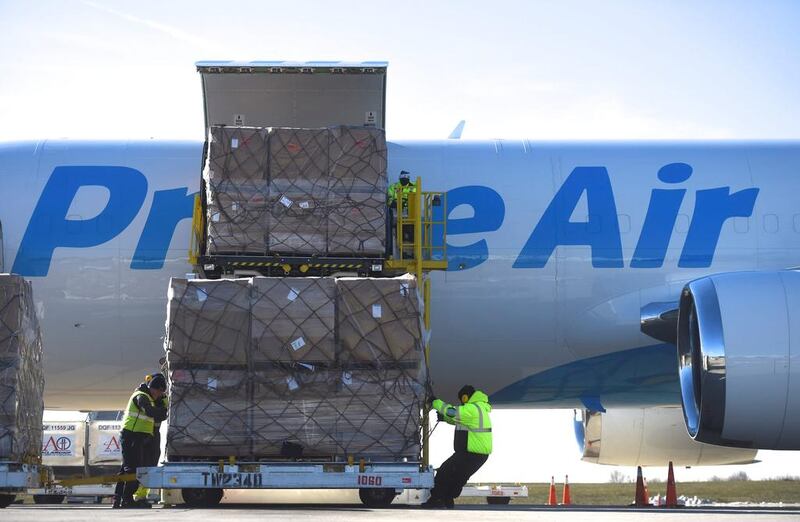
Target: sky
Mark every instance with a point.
(517, 69)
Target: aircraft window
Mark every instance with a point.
(741, 225)
(770, 223)
(624, 223)
(682, 224)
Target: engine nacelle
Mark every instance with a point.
(739, 359)
(648, 437)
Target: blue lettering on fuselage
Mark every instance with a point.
(488, 214)
(50, 228)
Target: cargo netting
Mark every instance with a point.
(298, 183)
(309, 367)
(237, 190)
(21, 374)
(288, 191)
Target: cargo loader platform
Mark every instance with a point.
(294, 240)
(202, 483)
(215, 266)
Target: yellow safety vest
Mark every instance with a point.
(135, 419)
(404, 192)
(472, 417)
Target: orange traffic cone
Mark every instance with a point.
(566, 500)
(672, 492)
(551, 500)
(641, 498)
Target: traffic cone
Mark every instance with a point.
(672, 492)
(641, 498)
(551, 500)
(566, 500)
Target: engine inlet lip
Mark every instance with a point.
(701, 361)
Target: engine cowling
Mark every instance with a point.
(739, 359)
(648, 437)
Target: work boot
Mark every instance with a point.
(433, 503)
(117, 503)
(143, 503)
(137, 505)
(449, 503)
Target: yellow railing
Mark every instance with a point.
(196, 239)
(420, 250)
(421, 253)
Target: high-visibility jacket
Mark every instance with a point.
(136, 419)
(472, 422)
(165, 403)
(403, 191)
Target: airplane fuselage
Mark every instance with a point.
(553, 249)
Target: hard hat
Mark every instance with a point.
(404, 174)
(158, 381)
(465, 393)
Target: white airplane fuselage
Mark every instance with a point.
(553, 250)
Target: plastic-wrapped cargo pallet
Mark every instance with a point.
(357, 196)
(329, 367)
(21, 374)
(288, 191)
(236, 190)
(298, 183)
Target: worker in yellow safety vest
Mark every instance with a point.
(152, 450)
(138, 425)
(401, 189)
(472, 444)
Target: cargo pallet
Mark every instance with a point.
(17, 477)
(203, 483)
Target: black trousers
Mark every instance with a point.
(134, 446)
(454, 473)
(152, 450)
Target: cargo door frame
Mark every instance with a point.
(2, 250)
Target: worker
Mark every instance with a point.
(472, 444)
(152, 450)
(138, 425)
(401, 190)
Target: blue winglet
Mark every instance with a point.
(456, 134)
(592, 403)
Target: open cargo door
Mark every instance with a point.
(294, 94)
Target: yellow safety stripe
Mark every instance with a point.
(480, 428)
(312, 265)
(137, 415)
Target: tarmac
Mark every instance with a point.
(342, 513)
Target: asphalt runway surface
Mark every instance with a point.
(344, 513)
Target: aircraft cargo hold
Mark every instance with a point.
(21, 374)
(287, 367)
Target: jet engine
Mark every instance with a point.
(648, 437)
(739, 359)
